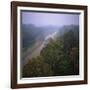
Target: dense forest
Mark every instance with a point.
(59, 57)
(31, 33)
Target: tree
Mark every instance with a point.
(74, 56)
(37, 68)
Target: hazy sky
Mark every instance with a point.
(45, 19)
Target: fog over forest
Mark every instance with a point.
(51, 40)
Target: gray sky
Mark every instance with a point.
(45, 19)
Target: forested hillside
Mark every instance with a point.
(30, 34)
(59, 57)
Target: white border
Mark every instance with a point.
(57, 78)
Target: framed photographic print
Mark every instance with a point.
(48, 44)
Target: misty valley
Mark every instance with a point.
(49, 50)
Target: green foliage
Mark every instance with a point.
(58, 58)
(37, 68)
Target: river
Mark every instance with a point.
(36, 49)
